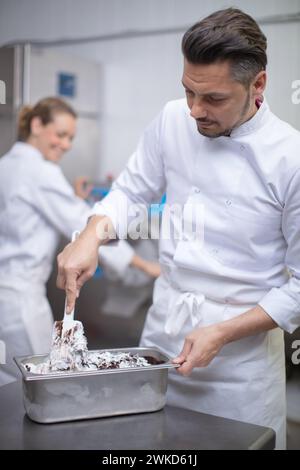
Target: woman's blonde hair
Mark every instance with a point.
(45, 109)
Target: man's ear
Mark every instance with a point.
(259, 83)
(36, 126)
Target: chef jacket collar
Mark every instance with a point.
(254, 123)
(26, 150)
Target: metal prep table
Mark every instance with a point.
(170, 428)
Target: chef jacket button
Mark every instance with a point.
(228, 202)
(243, 147)
(197, 190)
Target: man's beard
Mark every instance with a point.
(227, 132)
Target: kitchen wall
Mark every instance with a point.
(141, 74)
(41, 19)
(44, 67)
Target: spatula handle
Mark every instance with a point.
(75, 235)
(70, 316)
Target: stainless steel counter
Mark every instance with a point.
(170, 428)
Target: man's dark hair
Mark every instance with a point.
(231, 35)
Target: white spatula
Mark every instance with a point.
(69, 345)
(68, 320)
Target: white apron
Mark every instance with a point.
(26, 323)
(246, 381)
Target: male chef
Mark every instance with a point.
(223, 300)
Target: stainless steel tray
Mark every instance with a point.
(68, 396)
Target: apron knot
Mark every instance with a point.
(182, 306)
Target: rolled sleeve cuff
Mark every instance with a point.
(114, 206)
(283, 309)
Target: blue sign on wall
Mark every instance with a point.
(67, 85)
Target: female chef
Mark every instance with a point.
(37, 206)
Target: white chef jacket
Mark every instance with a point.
(249, 186)
(37, 206)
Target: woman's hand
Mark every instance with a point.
(82, 187)
(200, 347)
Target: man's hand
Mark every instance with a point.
(79, 260)
(200, 348)
(203, 344)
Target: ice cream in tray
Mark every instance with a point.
(69, 352)
(73, 383)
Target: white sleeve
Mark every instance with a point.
(116, 257)
(142, 181)
(283, 304)
(54, 198)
